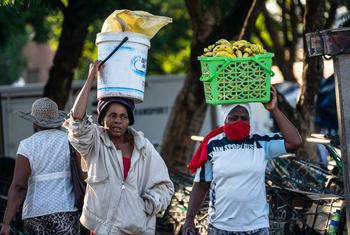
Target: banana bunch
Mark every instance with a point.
(237, 49)
(222, 48)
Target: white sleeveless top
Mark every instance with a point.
(50, 188)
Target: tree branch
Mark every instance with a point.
(269, 23)
(60, 5)
(295, 35)
(252, 19)
(283, 60)
(284, 24)
(203, 22)
(294, 22)
(332, 11)
(234, 21)
(194, 10)
(257, 33)
(244, 27)
(301, 6)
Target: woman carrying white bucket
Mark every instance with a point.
(129, 32)
(128, 182)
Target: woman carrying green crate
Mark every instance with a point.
(231, 162)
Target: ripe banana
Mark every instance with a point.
(248, 50)
(211, 47)
(239, 54)
(223, 47)
(223, 41)
(239, 49)
(209, 54)
(223, 54)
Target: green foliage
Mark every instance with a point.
(11, 22)
(89, 52)
(11, 60)
(261, 26)
(41, 20)
(41, 28)
(55, 22)
(5, 3)
(222, 6)
(170, 48)
(20, 21)
(12, 39)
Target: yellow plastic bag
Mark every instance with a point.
(134, 21)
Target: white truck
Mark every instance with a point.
(151, 116)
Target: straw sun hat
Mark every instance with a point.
(44, 113)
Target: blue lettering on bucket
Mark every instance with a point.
(138, 65)
(119, 89)
(127, 48)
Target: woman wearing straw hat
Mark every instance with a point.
(42, 176)
(231, 162)
(128, 182)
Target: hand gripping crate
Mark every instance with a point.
(236, 80)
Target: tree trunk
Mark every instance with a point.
(284, 47)
(189, 110)
(74, 32)
(287, 70)
(249, 24)
(312, 76)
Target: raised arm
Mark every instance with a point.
(289, 131)
(80, 104)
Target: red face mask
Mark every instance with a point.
(237, 130)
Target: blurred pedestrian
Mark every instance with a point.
(128, 182)
(231, 162)
(42, 176)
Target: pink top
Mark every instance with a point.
(126, 164)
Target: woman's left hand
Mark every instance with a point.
(5, 230)
(272, 104)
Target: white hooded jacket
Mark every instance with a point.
(112, 204)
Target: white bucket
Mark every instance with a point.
(123, 74)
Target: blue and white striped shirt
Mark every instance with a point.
(236, 170)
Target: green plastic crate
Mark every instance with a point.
(236, 80)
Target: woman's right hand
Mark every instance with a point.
(5, 230)
(94, 68)
(189, 228)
